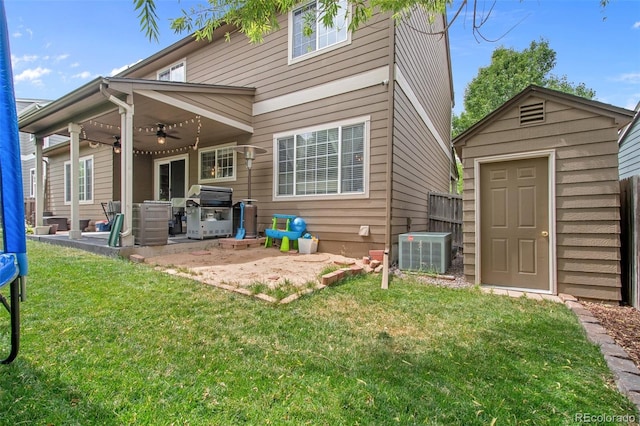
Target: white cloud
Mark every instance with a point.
(75, 65)
(636, 25)
(15, 60)
(32, 75)
(82, 75)
(18, 33)
(61, 57)
(632, 77)
(116, 71)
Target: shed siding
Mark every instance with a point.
(629, 155)
(420, 164)
(587, 192)
(102, 183)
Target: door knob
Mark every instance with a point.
(545, 234)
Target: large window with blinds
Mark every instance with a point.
(322, 161)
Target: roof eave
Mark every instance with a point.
(67, 100)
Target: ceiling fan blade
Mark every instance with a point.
(172, 137)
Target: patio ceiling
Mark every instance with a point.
(190, 113)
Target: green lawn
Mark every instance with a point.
(109, 342)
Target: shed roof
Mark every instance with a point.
(622, 116)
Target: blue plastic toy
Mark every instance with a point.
(298, 225)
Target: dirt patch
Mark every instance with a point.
(250, 266)
(622, 324)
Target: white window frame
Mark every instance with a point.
(32, 183)
(215, 149)
(170, 68)
(67, 165)
(366, 121)
(167, 160)
(317, 51)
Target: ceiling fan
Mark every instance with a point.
(162, 135)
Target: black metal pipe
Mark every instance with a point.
(15, 321)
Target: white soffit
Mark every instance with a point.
(195, 109)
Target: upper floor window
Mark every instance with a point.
(175, 72)
(308, 34)
(217, 164)
(85, 180)
(327, 160)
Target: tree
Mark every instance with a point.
(256, 18)
(509, 73)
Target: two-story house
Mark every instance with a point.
(356, 128)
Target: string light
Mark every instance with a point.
(164, 151)
(154, 129)
(195, 146)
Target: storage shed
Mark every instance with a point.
(541, 195)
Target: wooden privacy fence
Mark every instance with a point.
(630, 239)
(30, 210)
(445, 215)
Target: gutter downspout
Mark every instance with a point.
(126, 165)
(389, 168)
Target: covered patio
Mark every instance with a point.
(135, 117)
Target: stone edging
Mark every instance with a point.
(627, 375)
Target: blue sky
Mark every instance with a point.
(58, 45)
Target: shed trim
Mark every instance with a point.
(551, 169)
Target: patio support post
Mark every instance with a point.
(39, 142)
(126, 164)
(126, 181)
(74, 130)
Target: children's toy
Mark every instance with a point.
(294, 228)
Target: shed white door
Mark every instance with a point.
(514, 230)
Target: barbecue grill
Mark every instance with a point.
(209, 212)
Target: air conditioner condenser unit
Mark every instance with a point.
(425, 251)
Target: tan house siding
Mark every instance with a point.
(587, 192)
(419, 166)
(423, 59)
(265, 66)
(102, 182)
(336, 220)
(421, 155)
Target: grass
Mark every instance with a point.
(108, 342)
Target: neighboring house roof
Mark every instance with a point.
(625, 132)
(629, 148)
(621, 115)
(155, 102)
